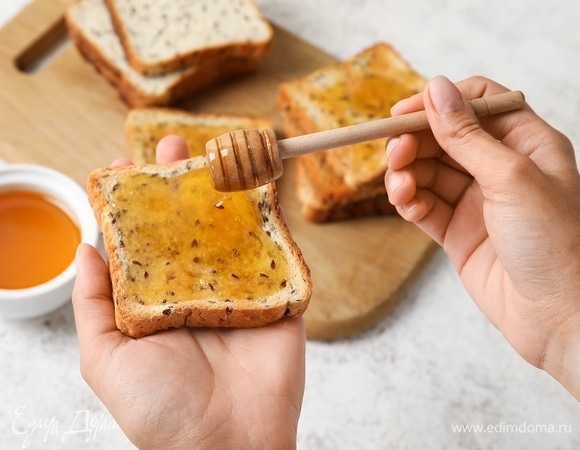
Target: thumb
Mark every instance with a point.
(458, 130)
(92, 297)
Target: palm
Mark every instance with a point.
(476, 259)
(189, 387)
(206, 380)
(188, 384)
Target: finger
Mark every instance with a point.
(404, 149)
(437, 219)
(459, 132)
(444, 181)
(400, 185)
(499, 126)
(471, 88)
(92, 296)
(408, 105)
(121, 162)
(429, 212)
(171, 148)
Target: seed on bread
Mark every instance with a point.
(235, 256)
(90, 26)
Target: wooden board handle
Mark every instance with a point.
(34, 33)
(392, 126)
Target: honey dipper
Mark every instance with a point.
(245, 159)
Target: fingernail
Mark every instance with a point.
(394, 182)
(444, 95)
(397, 105)
(410, 209)
(391, 145)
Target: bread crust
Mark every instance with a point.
(324, 195)
(135, 89)
(236, 48)
(135, 318)
(321, 202)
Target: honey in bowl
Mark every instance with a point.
(38, 239)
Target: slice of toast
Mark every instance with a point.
(144, 127)
(346, 182)
(182, 254)
(91, 30)
(324, 197)
(162, 36)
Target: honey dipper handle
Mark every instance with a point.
(392, 126)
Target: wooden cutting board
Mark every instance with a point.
(64, 115)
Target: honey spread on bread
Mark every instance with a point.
(215, 246)
(356, 100)
(346, 182)
(183, 254)
(194, 136)
(144, 128)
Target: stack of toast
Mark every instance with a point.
(228, 259)
(158, 52)
(347, 182)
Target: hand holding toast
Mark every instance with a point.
(502, 197)
(188, 387)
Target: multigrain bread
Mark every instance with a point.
(91, 30)
(160, 36)
(182, 254)
(346, 182)
(144, 127)
(324, 197)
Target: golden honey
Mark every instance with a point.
(38, 239)
(185, 241)
(195, 137)
(359, 99)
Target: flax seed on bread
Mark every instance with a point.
(91, 30)
(164, 35)
(144, 127)
(346, 182)
(183, 254)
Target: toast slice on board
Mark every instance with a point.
(163, 36)
(91, 30)
(359, 89)
(144, 127)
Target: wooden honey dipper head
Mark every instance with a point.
(244, 159)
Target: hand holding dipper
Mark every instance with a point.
(246, 159)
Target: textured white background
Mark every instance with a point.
(435, 361)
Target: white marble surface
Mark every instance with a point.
(435, 362)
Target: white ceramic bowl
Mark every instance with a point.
(43, 298)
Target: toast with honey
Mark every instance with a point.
(346, 182)
(144, 127)
(91, 31)
(182, 254)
